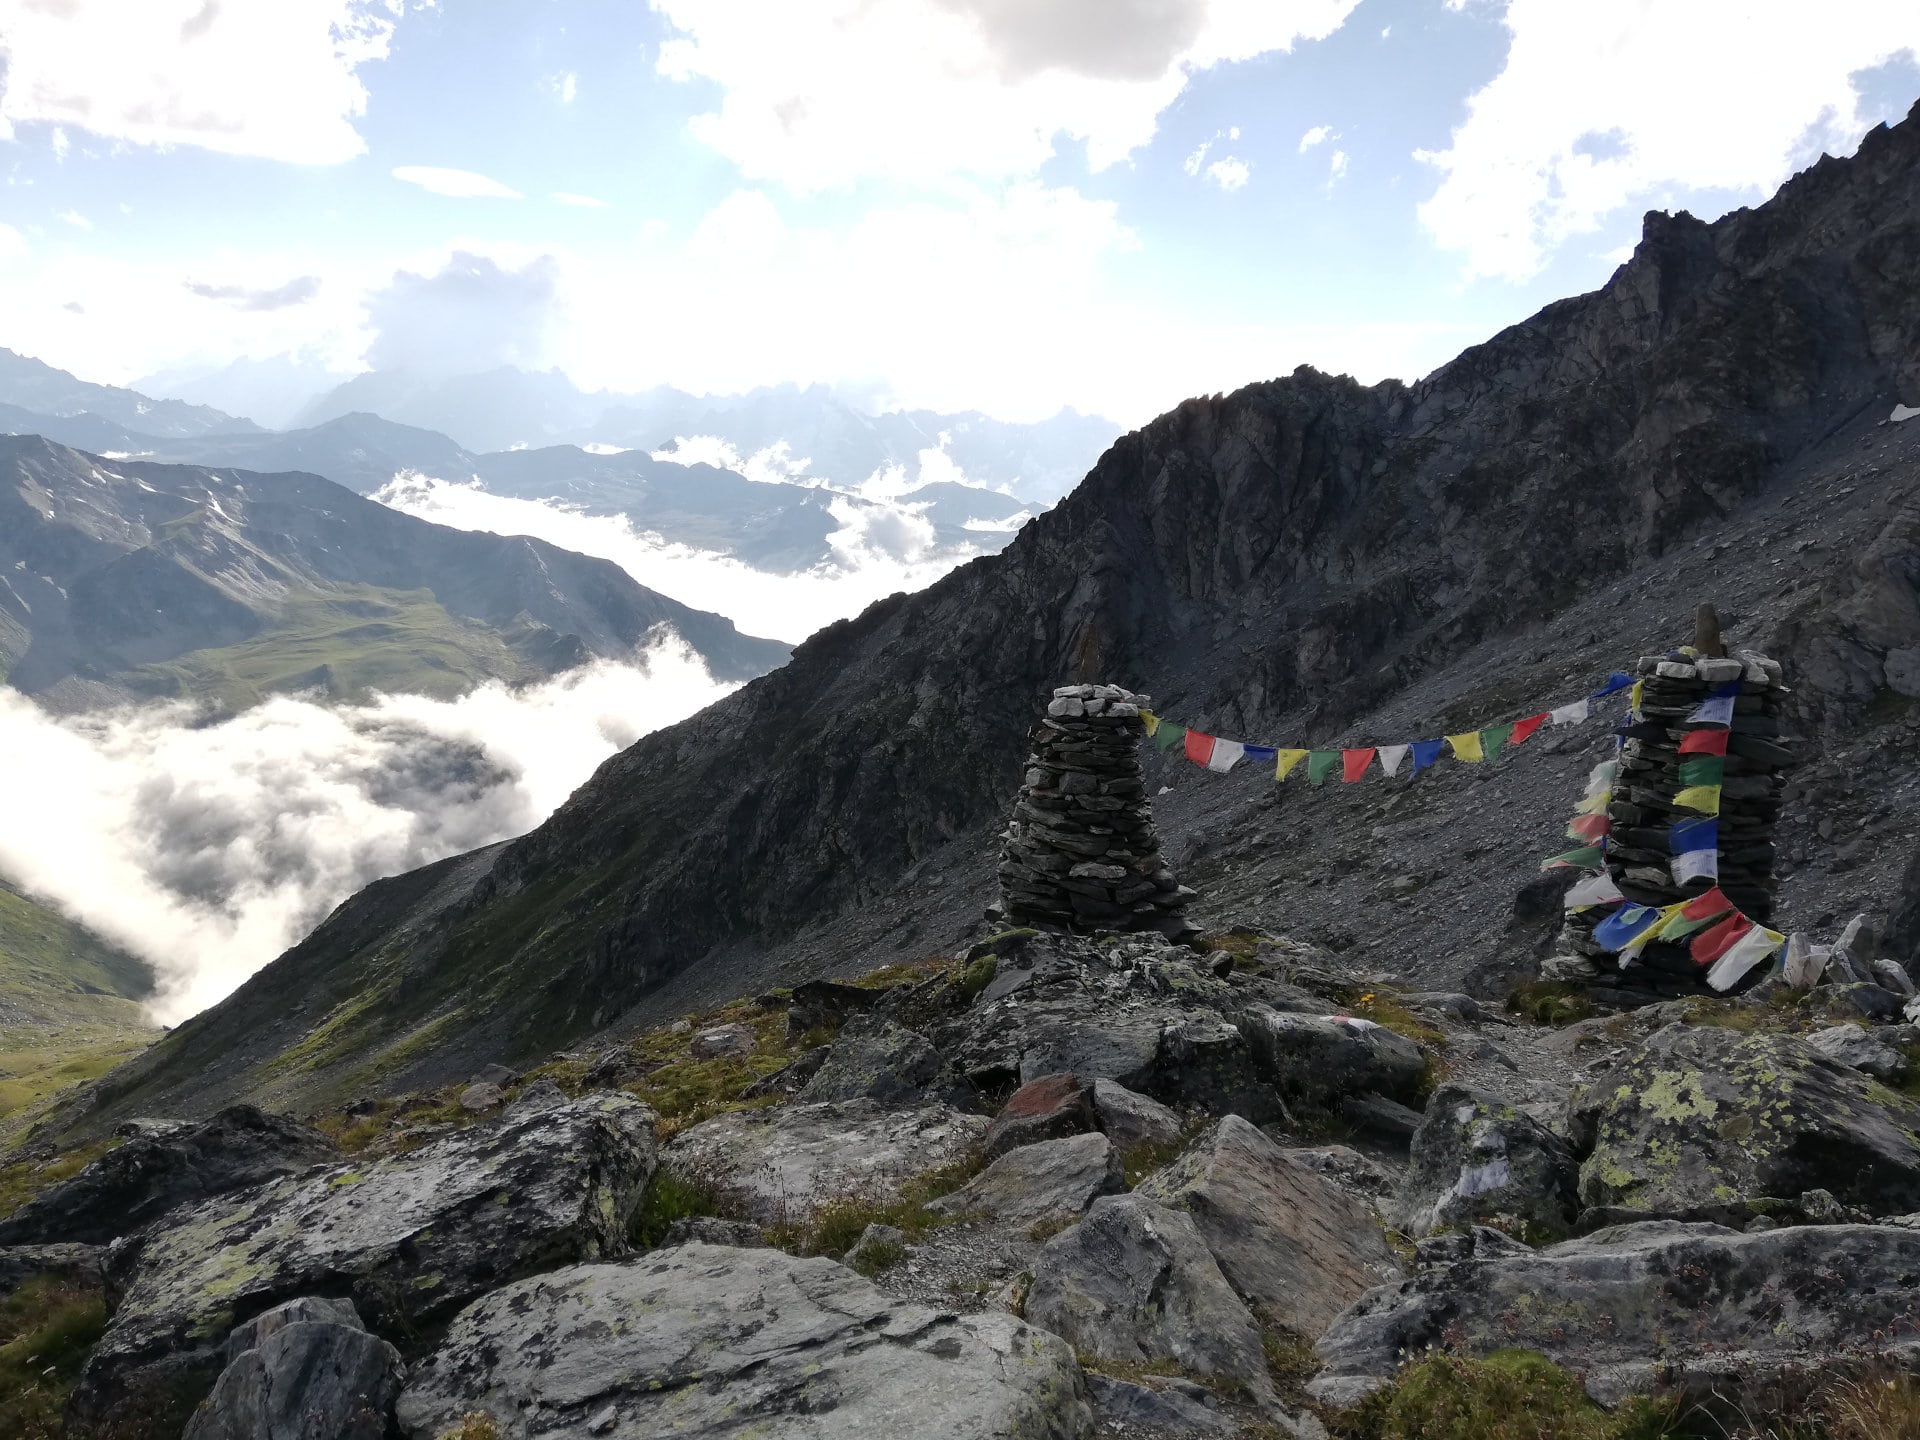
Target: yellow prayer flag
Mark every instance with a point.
(1595, 804)
(1152, 720)
(1703, 798)
(1287, 760)
(1467, 747)
(1633, 697)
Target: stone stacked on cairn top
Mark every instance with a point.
(1081, 852)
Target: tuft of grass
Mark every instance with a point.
(1551, 1002)
(475, 1425)
(1508, 1395)
(1880, 1407)
(1139, 1161)
(1048, 1226)
(1383, 1007)
(1780, 1015)
(47, 1330)
(672, 1196)
(879, 1257)
(976, 977)
(839, 1222)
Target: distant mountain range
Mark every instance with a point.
(121, 578)
(38, 388)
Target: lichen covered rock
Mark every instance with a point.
(1476, 1157)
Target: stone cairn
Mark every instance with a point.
(1081, 851)
(1642, 810)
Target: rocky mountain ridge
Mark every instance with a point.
(122, 578)
(1306, 557)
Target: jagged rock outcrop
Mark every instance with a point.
(1475, 1157)
(152, 1174)
(1660, 1304)
(1283, 560)
(411, 1237)
(695, 1340)
(306, 1370)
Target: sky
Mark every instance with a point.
(1009, 205)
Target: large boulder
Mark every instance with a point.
(154, 1173)
(782, 1163)
(1135, 1283)
(875, 1059)
(79, 1265)
(1209, 1065)
(1714, 1124)
(1291, 1245)
(1476, 1157)
(411, 1238)
(1317, 1059)
(1131, 1120)
(1050, 1108)
(1861, 1049)
(1635, 1307)
(1041, 1181)
(306, 1370)
(704, 1341)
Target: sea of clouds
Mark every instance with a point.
(209, 848)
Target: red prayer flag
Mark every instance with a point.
(1589, 827)
(1199, 747)
(1705, 742)
(1354, 763)
(1705, 907)
(1524, 728)
(1710, 945)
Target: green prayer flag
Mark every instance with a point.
(1320, 764)
(1679, 926)
(1590, 857)
(1168, 735)
(1493, 741)
(1707, 770)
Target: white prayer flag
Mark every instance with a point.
(1391, 756)
(1594, 890)
(1696, 865)
(1571, 714)
(1748, 951)
(1226, 755)
(1601, 777)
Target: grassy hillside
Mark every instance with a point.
(69, 1006)
(348, 641)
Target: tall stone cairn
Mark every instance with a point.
(1081, 852)
(1642, 810)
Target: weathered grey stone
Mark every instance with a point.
(735, 1039)
(1319, 1058)
(1850, 1045)
(1380, 1115)
(480, 1097)
(308, 1309)
(712, 1230)
(156, 1172)
(82, 1265)
(1039, 1181)
(304, 1380)
(1475, 1157)
(1130, 1119)
(1134, 1282)
(411, 1237)
(1157, 1406)
(1639, 1306)
(1701, 1122)
(1123, 1048)
(1291, 1245)
(782, 1163)
(875, 1059)
(1208, 1065)
(876, 1249)
(543, 1094)
(701, 1341)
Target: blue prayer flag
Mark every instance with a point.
(1424, 753)
(1701, 834)
(1717, 709)
(1616, 682)
(1261, 752)
(1624, 926)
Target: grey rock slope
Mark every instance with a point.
(107, 567)
(1306, 557)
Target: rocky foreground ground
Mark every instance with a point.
(1048, 1187)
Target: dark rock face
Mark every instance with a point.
(1371, 536)
(411, 1237)
(150, 1175)
(1477, 1158)
(1693, 1306)
(699, 1339)
(306, 1370)
(888, 1063)
(1705, 1123)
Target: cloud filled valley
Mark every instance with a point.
(207, 849)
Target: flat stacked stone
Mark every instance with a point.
(1642, 812)
(1081, 852)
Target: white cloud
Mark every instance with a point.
(1336, 168)
(460, 184)
(585, 202)
(565, 86)
(61, 144)
(877, 551)
(1229, 173)
(272, 78)
(1319, 134)
(208, 850)
(818, 94)
(12, 243)
(774, 465)
(75, 219)
(1602, 107)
